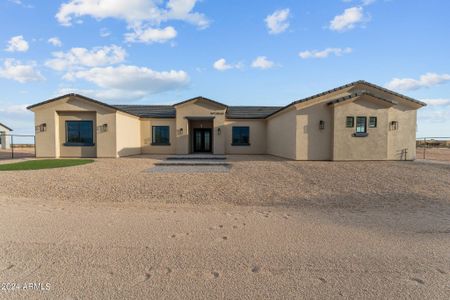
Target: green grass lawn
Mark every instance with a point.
(44, 164)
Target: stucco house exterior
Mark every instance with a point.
(357, 121)
(4, 139)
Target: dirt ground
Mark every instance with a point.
(442, 154)
(269, 228)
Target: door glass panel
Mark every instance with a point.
(198, 140)
(207, 137)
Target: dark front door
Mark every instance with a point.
(202, 140)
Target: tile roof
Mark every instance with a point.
(250, 112)
(233, 112)
(346, 86)
(148, 111)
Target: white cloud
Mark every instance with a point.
(348, 19)
(82, 57)
(138, 81)
(55, 41)
(261, 62)
(425, 81)
(222, 65)
(14, 109)
(437, 102)
(151, 35)
(437, 111)
(324, 53)
(183, 10)
(17, 43)
(134, 12)
(15, 70)
(278, 21)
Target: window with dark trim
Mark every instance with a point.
(361, 124)
(350, 122)
(79, 133)
(373, 122)
(241, 136)
(160, 135)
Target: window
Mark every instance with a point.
(361, 123)
(350, 122)
(79, 133)
(241, 136)
(160, 135)
(373, 122)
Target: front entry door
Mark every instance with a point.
(202, 140)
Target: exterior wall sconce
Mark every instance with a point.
(219, 131)
(321, 124)
(393, 125)
(180, 131)
(103, 128)
(41, 127)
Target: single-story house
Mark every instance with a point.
(4, 139)
(357, 121)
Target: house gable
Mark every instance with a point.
(200, 100)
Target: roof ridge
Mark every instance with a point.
(3, 125)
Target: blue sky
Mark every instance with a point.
(236, 52)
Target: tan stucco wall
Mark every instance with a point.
(257, 137)
(405, 136)
(128, 133)
(48, 143)
(372, 147)
(281, 134)
(314, 143)
(76, 151)
(200, 108)
(146, 136)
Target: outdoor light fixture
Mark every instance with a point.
(321, 124)
(181, 130)
(103, 128)
(219, 131)
(41, 127)
(393, 125)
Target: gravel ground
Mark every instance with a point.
(252, 180)
(269, 228)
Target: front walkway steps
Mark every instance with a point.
(197, 157)
(194, 160)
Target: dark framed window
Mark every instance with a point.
(241, 136)
(373, 122)
(361, 124)
(79, 133)
(350, 122)
(160, 135)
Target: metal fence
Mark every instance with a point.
(17, 146)
(433, 148)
